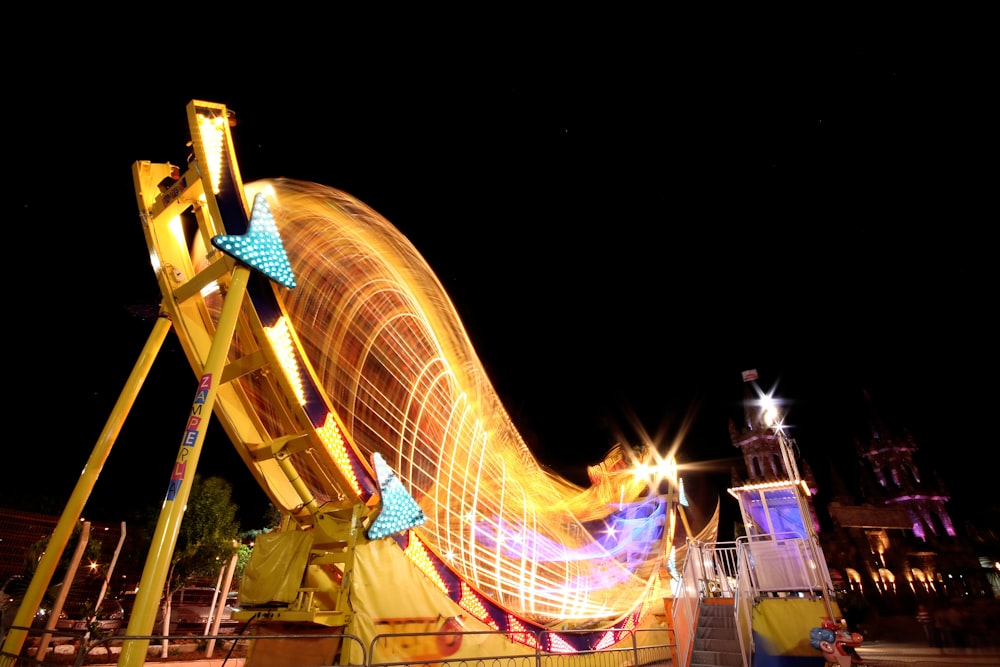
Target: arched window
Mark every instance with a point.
(888, 579)
(853, 579)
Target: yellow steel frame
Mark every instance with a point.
(181, 213)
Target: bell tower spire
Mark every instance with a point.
(769, 454)
(889, 455)
(767, 450)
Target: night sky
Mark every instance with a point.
(625, 218)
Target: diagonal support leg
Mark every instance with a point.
(154, 573)
(81, 492)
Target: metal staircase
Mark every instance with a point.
(715, 640)
(727, 587)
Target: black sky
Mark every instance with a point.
(625, 218)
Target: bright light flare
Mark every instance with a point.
(772, 411)
(654, 468)
(769, 410)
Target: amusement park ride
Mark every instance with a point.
(337, 365)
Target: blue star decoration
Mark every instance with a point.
(400, 511)
(261, 247)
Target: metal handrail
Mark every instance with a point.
(645, 646)
(746, 570)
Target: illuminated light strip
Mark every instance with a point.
(417, 553)
(336, 446)
(607, 640)
(281, 342)
(560, 645)
(517, 632)
(471, 601)
(212, 133)
(783, 484)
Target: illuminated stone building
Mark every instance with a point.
(889, 541)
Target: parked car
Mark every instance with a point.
(190, 609)
(74, 615)
(11, 593)
(110, 618)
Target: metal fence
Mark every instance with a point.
(646, 646)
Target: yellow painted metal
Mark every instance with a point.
(81, 492)
(154, 574)
(180, 216)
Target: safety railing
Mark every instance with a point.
(78, 648)
(710, 570)
(785, 565)
(645, 646)
(746, 570)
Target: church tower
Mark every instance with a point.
(899, 543)
(897, 480)
(769, 455)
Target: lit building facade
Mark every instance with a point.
(890, 542)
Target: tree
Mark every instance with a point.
(36, 550)
(272, 518)
(242, 558)
(206, 539)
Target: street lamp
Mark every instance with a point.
(658, 471)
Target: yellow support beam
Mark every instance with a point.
(154, 574)
(81, 493)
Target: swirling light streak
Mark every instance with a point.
(384, 371)
(399, 370)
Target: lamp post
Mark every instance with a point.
(658, 473)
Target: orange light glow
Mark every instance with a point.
(401, 374)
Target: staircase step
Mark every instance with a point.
(715, 642)
(717, 622)
(715, 633)
(715, 659)
(727, 645)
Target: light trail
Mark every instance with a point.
(397, 365)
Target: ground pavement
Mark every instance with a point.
(917, 654)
